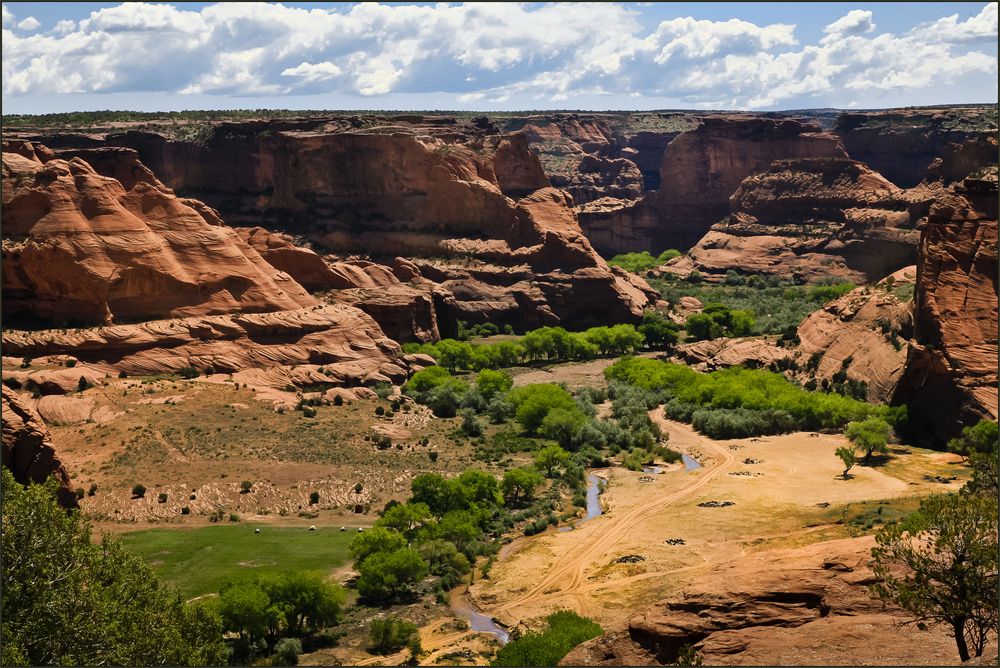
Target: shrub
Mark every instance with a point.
(533, 402)
(162, 498)
(490, 383)
(234, 517)
(565, 631)
(246, 486)
(338, 400)
(470, 425)
(286, 652)
(188, 372)
(391, 634)
(92, 490)
(313, 498)
(139, 491)
(185, 510)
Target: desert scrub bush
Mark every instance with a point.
(565, 631)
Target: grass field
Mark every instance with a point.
(196, 561)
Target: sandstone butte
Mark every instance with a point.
(470, 206)
(27, 448)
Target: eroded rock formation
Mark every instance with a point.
(81, 248)
(701, 168)
(344, 341)
(951, 369)
(411, 186)
(900, 144)
(814, 218)
(27, 449)
(804, 606)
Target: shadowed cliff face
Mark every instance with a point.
(901, 144)
(950, 379)
(700, 170)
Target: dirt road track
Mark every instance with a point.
(567, 578)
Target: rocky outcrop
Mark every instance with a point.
(814, 218)
(701, 168)
(900, 144)
(386, 187)
(81, 248)
(345, 342)
(951, 369)
(803, 606)
(27, 448)
(860, 337)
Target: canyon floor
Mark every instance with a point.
(786, 492)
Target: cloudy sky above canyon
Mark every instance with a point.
(157, 56)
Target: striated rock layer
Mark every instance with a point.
(803, 606)
(404, 186)
(81, 248)
(951, 368)
(27, 449)
(814, 218)
(346, 342)
(701, 168)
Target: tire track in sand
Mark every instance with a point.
(572, 570)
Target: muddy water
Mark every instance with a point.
(459, 599)
(690, 464)
(462, 606)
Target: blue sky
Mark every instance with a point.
(162, 56)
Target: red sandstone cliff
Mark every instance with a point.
(79, 247)
(412, 187)
(27, 449)
(951, 369)
(815, 218)
(701, 168)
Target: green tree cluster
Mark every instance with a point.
(68, 601)
(716, 320)
(565, 630)
(756, 390)
(644, 261)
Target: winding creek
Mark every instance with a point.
(481, 623)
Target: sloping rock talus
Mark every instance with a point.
(27, 448)
(346, 342)
(951, 370)
(79, 248)
(803, 606)
(814, 218)
(701, 168)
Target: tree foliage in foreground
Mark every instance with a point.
(68, 601)
(940, 566)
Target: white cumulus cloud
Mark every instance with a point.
(487, 53)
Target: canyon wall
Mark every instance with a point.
(950, 380)
(700, 169)
(900, 144)
(436, 188)
(80, 248)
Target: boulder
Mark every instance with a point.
(27, 448)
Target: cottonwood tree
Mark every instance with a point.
(870, 435)
(940, 566)
(848, 456)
